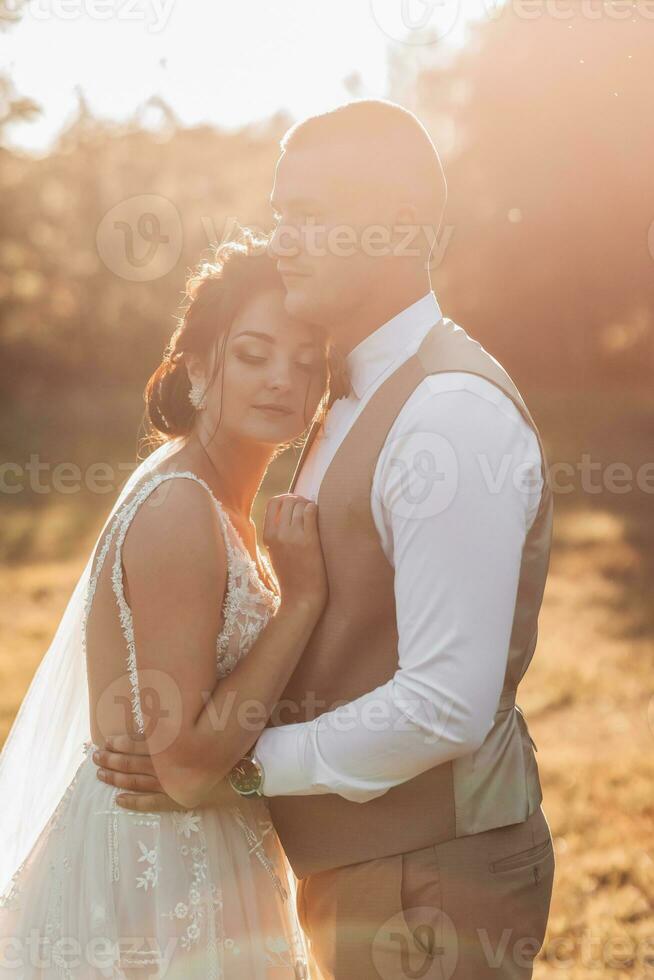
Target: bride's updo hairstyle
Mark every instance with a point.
(216, 290)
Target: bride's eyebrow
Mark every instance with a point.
(269, 338)
(255, 333)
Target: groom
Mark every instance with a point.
(401, 776)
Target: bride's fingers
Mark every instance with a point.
(293, 507)
(124, 763)
(287, 506)
(283, 511)
(297, 517)
(135, 782)
(310, 517)
(270, 519)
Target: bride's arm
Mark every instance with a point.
(176, 567)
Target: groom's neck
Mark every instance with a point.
(374, 312)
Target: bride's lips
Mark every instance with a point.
(275, 409)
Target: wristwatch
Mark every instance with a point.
(247, 776)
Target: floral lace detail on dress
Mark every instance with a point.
(256, 846)
(189, 828)
(248, 605)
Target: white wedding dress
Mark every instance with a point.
(110, 893)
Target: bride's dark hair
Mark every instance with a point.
(216, 290)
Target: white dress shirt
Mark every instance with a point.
(456, 488)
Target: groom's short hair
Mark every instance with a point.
(381, 134)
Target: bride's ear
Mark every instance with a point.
(194, 369)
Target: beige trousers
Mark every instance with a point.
(473, 908)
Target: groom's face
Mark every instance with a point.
(326, 205)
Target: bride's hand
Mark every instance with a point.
(290, 533)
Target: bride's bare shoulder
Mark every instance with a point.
(178, 520)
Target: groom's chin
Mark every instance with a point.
(297, 303)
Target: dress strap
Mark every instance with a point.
(122, 523)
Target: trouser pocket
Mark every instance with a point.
(523, 858)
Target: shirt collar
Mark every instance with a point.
(392, 343)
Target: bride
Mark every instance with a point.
(153, 644)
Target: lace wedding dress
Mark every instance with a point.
(206, 893)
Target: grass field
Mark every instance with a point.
(588, 694)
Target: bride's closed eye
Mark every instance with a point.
(251, 358)
(309, 366)
(251, 353)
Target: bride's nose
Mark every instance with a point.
(280, 378)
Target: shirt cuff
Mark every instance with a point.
(281, 753)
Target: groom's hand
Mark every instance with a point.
(127, 764)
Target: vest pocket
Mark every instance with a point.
(522, 859)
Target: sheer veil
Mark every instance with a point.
(46, 743)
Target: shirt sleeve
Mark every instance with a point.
(455, 491)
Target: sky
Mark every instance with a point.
(228, 62)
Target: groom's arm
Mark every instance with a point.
(456, 546)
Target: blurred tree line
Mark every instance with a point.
(546, 254)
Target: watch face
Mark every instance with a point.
(245, 777)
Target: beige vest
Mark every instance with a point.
(353, 650)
